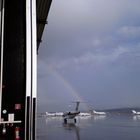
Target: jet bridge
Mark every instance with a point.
(21, 27)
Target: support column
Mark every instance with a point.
(28, 70)
(31, 69)
(2, 2)
(34, 69)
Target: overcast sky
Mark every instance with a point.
(90, 51)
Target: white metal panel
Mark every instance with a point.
(28, 69)
(34, 50)
(34, 70)
(2, 43)
(28, 48)
(31, 64)
(8, 122)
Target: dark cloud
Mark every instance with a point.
(93, 46)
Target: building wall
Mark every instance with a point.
(14, 64)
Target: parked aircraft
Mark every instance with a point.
(81, 114)
(56, 114)
(98, 113)
(135, 112)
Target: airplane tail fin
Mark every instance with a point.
(134, 112)
(94, 112)
(77, 106)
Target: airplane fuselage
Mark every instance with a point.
(98, 113)
(135, 112)
(70, 115)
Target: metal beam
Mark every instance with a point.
(1, 45)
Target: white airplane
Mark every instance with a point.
(135, 112)
(84, 114)
(71, 114)
(98, 113)
(50, 114)
(56, 114)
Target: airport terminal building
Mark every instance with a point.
(21, 27)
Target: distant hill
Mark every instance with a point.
(122, 110)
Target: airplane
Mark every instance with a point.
(135, 112)
(98, 113)
(55, 114)
(71, 114)
(81, 114)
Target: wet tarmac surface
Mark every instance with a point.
(120, 127)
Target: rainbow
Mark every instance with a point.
(69, 87)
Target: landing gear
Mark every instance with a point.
(74, 120)
(65, 121)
